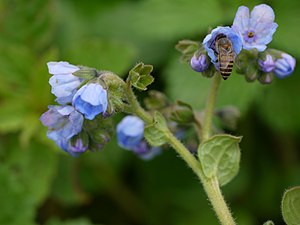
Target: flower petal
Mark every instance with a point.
(241, 20)
(61, 68)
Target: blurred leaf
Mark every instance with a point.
(101, 54)
(79, 221)
(290, 206)
(26, 175)
(186, 85)
(220, 156)
(269, 222)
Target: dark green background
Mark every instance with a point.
(41, 185)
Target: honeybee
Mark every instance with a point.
(225, 54)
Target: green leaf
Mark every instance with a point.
(269, 222)
(155, 133)
(220, 156)
(290, 206)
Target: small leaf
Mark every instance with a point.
(155, 133)
(269, 222)
(290, 206)
(220, 156)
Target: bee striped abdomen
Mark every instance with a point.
(226, 64)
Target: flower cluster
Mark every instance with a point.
(245, 42)
(80, 98)
(130, 134)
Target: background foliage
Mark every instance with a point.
(41, 185)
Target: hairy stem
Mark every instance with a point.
(210, 105)
(211, 185)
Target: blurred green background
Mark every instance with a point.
(41, 185)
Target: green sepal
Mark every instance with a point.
(156, 100)
(139, 76)
(99, 130)
(116, 91)
(187, 49)
(269, 222)
(220, 157)
(155, 133)
(86, 73)
(290, 206)
(265, 78)
(182, 113)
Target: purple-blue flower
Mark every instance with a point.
(284, 66)
(146, 152)
(209, 42)
(199, 63)
(64, 84)
(267, 65)
(256, 29)
(63, 123)
(130, 132)
(91, 100)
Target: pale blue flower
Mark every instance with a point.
(267, 65)
(91, 100)
(63, 123)
(284, 66)
(256, 29)
(130, 132)
(199, 63)
(64, 84)
(209, 42)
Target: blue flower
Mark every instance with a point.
(256, 29)
(63, 83)
(267, 65)
(91, 100)
(199, 63)
(63, 123)
(209, 42)
(145, 152)
(284, 66)
(130, 132)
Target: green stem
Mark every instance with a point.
(211, 186)
(210, 105)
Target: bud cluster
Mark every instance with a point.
(244, 45)
(80, 120)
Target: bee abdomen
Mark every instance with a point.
(226, 69)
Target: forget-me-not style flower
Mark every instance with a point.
(63, 123)
(209, 42)
(257, 28)
(284, 66)
(91, 100)
(267, 65)
(64, 84)
(199, 63)
(130, 132)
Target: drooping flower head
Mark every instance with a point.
(284, 66)
(209, 42)
(91, 100)
(257, 28)
(130, 132)
(64, 84)
(63, 123)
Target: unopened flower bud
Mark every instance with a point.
(266, 78)
(199, 63)
(79, 143)
(182, 113)
(267, 64)
(145, 152)
(284, 66)
(251, 73)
